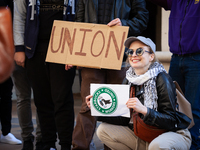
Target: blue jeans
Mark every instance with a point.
(186, 71)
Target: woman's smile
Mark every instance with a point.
(134, 60)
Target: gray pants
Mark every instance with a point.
(123, 138)
(24, 111)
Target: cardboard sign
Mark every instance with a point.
(87, 44)
(109, 100)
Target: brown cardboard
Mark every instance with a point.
(87, 44)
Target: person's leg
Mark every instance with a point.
(6, 112)
(24, 112)
(61, 90)
(176, 71)
(119, 137)
(39, 144)
(85, 123)
(180, 140)
(38, 130)
(186, 71)
(39, 78)
(6, 106)
(192, 94)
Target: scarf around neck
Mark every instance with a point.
(147, 79)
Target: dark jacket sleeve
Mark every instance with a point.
(80, 11)
(138, 19)
(123, 121)
(165, 116)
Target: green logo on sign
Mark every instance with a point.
(105, 100)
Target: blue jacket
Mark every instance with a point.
(184, 25)
(26, 24)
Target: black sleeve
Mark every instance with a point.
(165, 116)
(138, 19)
(80, 11)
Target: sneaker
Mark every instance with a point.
(27, 145)
(39, 146)
(9, 139)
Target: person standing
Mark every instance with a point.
(184, 39)
(6, 84)
(111, 12)
(51, 83)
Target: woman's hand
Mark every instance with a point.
(136, 105)
(87, 99)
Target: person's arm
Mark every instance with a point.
(80, 11)
(165, 116)
(138, 18)
(166, 4)
(6, 44)
(19, 29)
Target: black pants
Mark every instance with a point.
(6, 105)
(52, 89)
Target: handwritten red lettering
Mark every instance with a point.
(52, 38)
(112, 35)
(93, 42)
(70, 41)
(81, 53)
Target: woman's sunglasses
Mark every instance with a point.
(139, 52)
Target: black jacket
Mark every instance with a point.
(166, 116)
(132, 13)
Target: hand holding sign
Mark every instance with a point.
(115, 22)
(136, 105)
(109, 100)
(87, 99)
(87, 44)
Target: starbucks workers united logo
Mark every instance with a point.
(105, 100)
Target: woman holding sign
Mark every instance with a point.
(152, 103)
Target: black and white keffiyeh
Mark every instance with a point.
(149, 81)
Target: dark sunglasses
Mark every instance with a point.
(139, 52)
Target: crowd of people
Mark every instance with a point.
(51, 83)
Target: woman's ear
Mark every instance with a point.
(152, 57)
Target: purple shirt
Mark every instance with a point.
(184, 25)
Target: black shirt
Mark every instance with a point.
(104, 11)
(50, 10)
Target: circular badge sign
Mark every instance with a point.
(105, 100)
